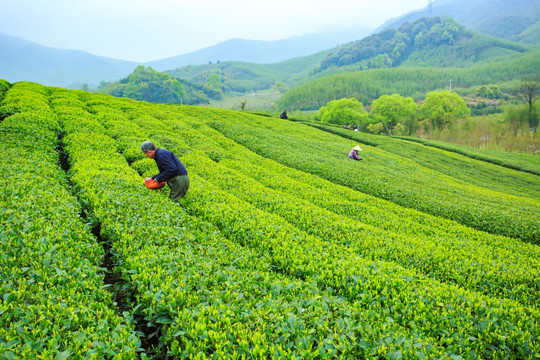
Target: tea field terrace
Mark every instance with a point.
(283, 247)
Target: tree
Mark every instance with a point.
(528, 90)
(516, 116)
(280, 86)
(149, 85)
(489, 92)
(375, 128)
(213, 81)
(344, 112)
(243, 104)
(382, 61)
(443, 108)
(393, 109)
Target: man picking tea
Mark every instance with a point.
(170, 168)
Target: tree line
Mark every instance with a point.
(395, 113)
(444, 115)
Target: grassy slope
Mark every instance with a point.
(389, 175)
(522, 162)
(261, 258)
(517, 161)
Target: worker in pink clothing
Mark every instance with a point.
(353, 154)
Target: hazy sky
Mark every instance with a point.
(144, 30)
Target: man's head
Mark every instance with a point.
(148, 148)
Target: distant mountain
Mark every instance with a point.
(513, 20)
(24, 60)
(263, 52)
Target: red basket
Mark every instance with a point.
(153, 184)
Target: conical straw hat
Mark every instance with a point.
(357, 148)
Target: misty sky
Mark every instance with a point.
(145, 30)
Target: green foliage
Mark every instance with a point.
(516, 161)
(434, 41)
(528, 90)
(214, 82)
(443, 108)
(489, 92)
(517, 116)
(344, 112)
(241, 78)
(148, 85)
(199, 94)
(54, 302)
(280, 86)
(394, 109)
(4, 86)
(425, 43)
(376, 128)
(282, 248)
(416, 82)
(427, 190)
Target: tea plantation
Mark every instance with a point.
(283, 247)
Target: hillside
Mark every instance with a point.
(24, 60)
(415, 82)
(283, 247)
(239, 77)
(513, 20)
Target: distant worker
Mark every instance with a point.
(284, 114)
(353, 154)
(170, 168)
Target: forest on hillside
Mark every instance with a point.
(415, 82)
(447, 42)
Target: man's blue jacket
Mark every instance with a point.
(168, 164)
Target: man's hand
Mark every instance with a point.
(147, 179)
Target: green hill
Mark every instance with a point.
(415, 82)
(428, 41)
(242, 77)
(283, 247)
